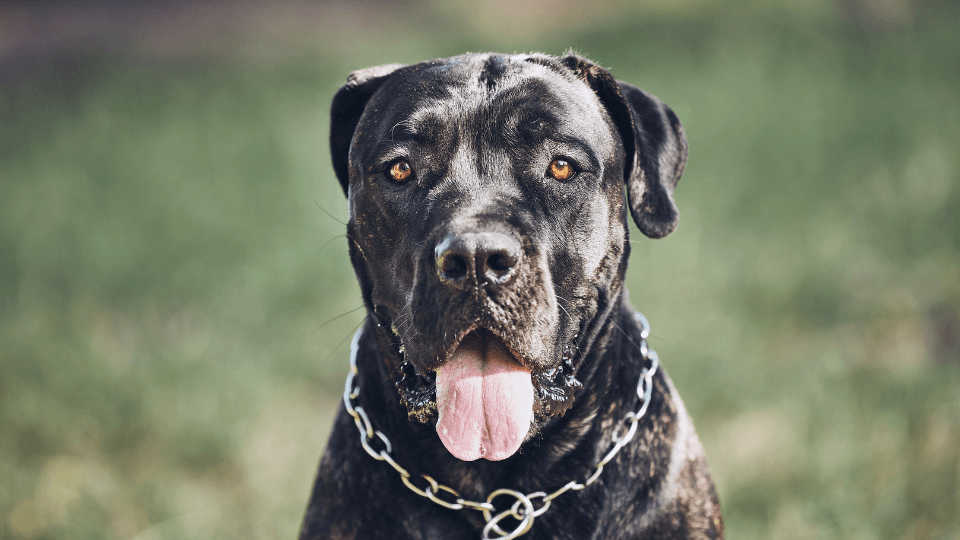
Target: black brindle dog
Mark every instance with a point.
(488, 230)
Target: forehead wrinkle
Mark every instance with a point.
(495, 113)
(462, 179)
(407, 130)
(427, 124)
(480, 112)
(419, 124)
(543, 90)
(511, 73)
(474, 93)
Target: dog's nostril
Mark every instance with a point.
(500, 262)
(453, 266)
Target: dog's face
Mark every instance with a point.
(488, 228)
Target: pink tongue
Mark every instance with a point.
(485, 399)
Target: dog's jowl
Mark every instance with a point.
(502, 384)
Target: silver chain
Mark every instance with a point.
(523, 509)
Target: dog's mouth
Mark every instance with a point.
(485, 399)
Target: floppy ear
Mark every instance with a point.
(653, 140)
(348, 105)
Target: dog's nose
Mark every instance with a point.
(488, 257)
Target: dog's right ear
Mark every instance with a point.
(348, 105)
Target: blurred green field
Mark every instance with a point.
(172, 263)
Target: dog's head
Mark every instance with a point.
(488, 227)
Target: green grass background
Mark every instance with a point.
(172, 259)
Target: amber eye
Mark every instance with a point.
(561, 169)
(401, 171)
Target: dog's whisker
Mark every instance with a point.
(625, 335)
(354, 310)
(342, 341)
(324, 210)
(404, 323)
(404, 317)
(328, 242)
(411, 328)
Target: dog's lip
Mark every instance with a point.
(476, 328)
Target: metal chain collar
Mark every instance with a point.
(523, 509)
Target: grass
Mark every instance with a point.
(171, 254)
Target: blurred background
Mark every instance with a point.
(175, 293)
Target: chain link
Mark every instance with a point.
(523, 509)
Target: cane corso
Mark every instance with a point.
(502, 383)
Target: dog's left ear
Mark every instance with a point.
(653, 140)
(345, 112)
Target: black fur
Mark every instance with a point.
(480, 131)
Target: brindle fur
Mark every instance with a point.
(480, 130)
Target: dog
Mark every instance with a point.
(501, 383)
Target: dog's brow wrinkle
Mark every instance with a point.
(408, 129)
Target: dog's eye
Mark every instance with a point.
(561, 169)
(400, 171)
